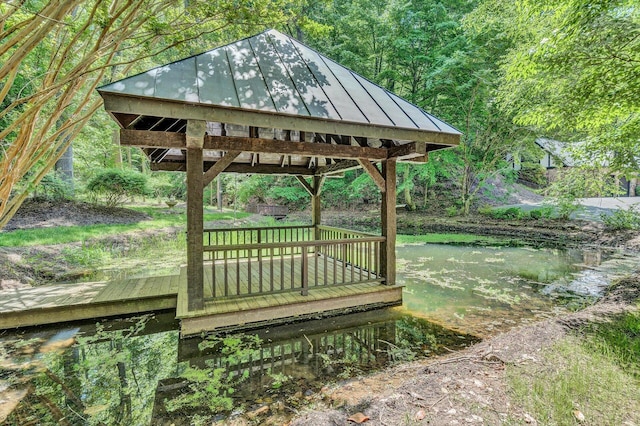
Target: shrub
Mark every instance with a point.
(53, 188)
(115, 185)
(533, 173)
(541, 213)
(451, 211)
(622, 219)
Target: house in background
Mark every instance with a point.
(556, 155)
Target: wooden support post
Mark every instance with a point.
(316, 216)
(388, 219)
(195, 226)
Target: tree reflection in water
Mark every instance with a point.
(137, 371)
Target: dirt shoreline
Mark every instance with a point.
(466, 387)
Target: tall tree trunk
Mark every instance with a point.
(219, 192)
(407, 189)
(64, 170)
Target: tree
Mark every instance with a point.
(53, 55)
(573, 71)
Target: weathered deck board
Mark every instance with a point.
(254, 310)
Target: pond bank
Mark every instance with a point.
(472, 386)
(557, 233)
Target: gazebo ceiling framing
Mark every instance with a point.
(271, 105)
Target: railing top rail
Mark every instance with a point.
(258, 228)
(348, 231)
(295, 244)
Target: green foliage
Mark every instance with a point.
(596, 372)
(619, 338)
(533, 172)
(578, 182)
(517, 213)
(291, 194)
(450, 239)
(116, 185)
(451, 211)
(52, 188)
(212, 388)
(572, 71)
(622, 219)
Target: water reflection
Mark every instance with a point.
(128, 372)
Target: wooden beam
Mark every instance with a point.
(147, 139)
(340, 166)
(374, 173)
(320, 183)
(308, 149)
(412, 148)
(260, 169)
(388, 223)
(316, 205)
(305, 184)
(219, 167)
(196, 130)
(119, 103)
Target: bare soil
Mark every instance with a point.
(42, 213)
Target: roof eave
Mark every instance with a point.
(128, 104)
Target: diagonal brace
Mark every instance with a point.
(219, 167)
(374, 173)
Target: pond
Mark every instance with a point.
(484, 290)
(137, 371)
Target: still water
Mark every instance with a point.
(137, 371)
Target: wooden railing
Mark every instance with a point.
(249, 237)
(331, 233)
(249, 269)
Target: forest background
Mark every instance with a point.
(502, 73)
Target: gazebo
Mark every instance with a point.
(271, 105)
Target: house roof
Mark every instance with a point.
(558, 150)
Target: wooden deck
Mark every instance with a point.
(69, 302)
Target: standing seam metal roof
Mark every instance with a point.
(273, 72)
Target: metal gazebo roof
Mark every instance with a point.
(271, 81)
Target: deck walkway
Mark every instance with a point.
(69, 302)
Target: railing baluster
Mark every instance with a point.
(213, 276)
(281, 269)
(237, 276)
(260, 269)
(305, 272)
(293, 274)
(226, 274)
(271, 269)
(249, 270)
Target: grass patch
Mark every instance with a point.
(595, 373)
(451, 239)
(160, 218)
